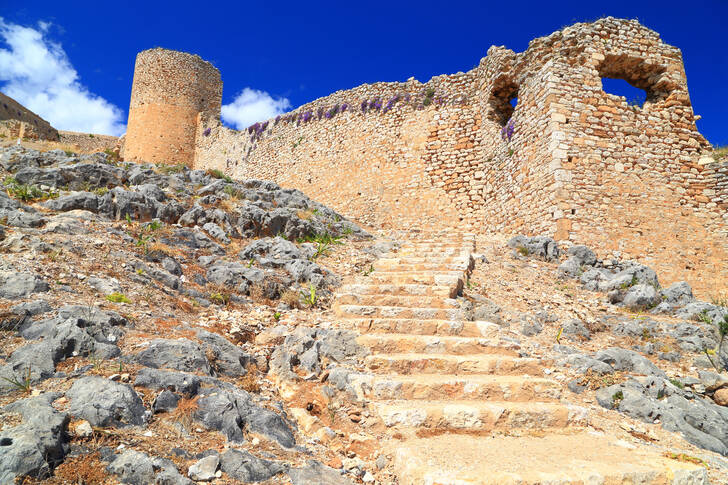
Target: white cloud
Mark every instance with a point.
(251, 106)
(36, 73)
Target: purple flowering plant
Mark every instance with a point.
(507, 131)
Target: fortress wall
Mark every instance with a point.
(582, 165)
(373, 164)
(18, 121)
(631, 178)
(170, 91)
(88, 142)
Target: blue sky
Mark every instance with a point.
(279, 55)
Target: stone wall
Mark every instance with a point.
(88, 142)
(17, 121)
(171, 90)
(579, 164)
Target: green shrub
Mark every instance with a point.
(117, 297)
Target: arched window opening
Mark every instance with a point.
(631, 77)
(503, 100)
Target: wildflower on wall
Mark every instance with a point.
(507, 131)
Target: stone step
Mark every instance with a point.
(449, 387)
(444, 291)
(425, 252)
(493, 364)
(438, 278)
(343, 310)
(406, 301)
(386, 266)
(388, 343)
(579, 458)
(399, 259)
(480, 416)
(421, 327)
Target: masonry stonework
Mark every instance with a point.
(570, 160)
(17, 121)
(171, 92)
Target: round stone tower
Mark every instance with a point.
(170, 93)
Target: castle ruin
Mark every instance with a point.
(570, 160)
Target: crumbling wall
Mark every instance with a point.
(88, 142)
(368, 151)
(171, 90)
(17, 121)
(570, 160)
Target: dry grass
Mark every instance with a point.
(291, 298)
(185, 409)
(250, 382)
(594, 381)
(720, 152)
(82, 470)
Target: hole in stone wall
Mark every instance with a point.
(620, 87)
(634, 79)
(503, 100)
(6, 441)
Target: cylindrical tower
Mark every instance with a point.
(170, 91)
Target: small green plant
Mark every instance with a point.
(558, 335)
(143, 242)
(369, 270)
(90, 135)
(232, 192)
(95, 361)
(117, 297)
(139, 271)
(218, 174)
(171, 169)
(154, 226)
(128, 218)
(322, 249)
(617, 398)
(347, 231)
(523, 251)
(220, 298)
(296, 143)
(309, 297)
(720, 300)
(677, 383)
(250, 262)
(720, 152)
(277, 316)
(332, 412)
(101, 191)
(722, 331)
(69, 153)
(25, 192)
(510, 152)
(22, 383)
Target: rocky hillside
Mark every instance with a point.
(130, 299)
(162, 325)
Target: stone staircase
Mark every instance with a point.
(455, 396)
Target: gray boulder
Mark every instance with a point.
(227, 358)
(106, 403)
(542, 247)
(231, 410)
(678, 294)
(14, 285)
(640, 297)
(204, 469)
(36, 446)
(243, 466)
(577, 328)
(183, 355)
(315, 472)
(133, 467)
(179, 382)
(628, 361)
